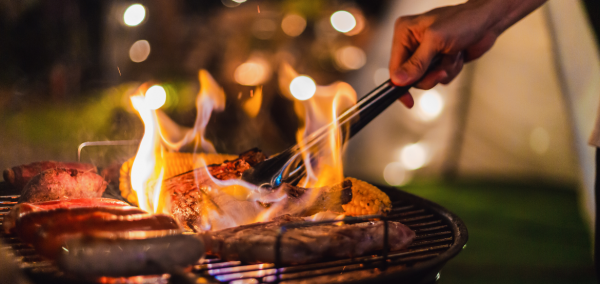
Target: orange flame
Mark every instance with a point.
(234, 202)
(320, 112)
(161, 134)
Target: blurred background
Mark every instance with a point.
(503, 146)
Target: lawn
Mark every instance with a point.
(518, 233)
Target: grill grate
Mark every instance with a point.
(440, 236)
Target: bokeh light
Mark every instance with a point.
(264, 28)
(303, 87)
(252, 72)
(381, 75)
(134, 15)
(413, 156)
(539, 140)
(139, 51)
(350, 58)
(293, 25)
(431, 104)
(395, 174)
(343, 21)
(239, 1)
(230, 3)
(155, 97)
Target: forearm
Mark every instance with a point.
(504, 13)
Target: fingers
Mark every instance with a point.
(415, 66)
(407, 100)
(448, 68)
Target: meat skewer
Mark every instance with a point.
(19, 176)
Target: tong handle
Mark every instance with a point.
(285, 167)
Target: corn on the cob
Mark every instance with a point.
(175, 164)
(366, 199)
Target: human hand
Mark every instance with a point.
(458, 34)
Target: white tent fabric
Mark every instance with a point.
(523, 111)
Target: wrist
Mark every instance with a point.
(504, 13)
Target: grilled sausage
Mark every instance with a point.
(51, 236)
(28, 224)
(20, 210)
(61, 183)
(19, 176)
(95, 257)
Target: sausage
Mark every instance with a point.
(28, 224)
(61, 183)
(93, 257)
(20, 210)
(51, 236)
(19, 176)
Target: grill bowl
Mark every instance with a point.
(441, 235)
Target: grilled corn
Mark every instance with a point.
(366, 199)
(175, 164)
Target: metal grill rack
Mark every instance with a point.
(440, 236)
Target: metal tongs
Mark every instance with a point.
(288, 166)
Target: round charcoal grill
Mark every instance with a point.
(440, 236)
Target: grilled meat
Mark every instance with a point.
(255, 243)
(61, 183)
(21, 209)
(93, 257)
(51, 236)
(204, 205)
(19, 176)
(28, 224)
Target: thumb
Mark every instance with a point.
(415, 67)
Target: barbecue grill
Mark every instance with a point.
(440, 236)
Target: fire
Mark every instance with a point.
(161, 135)
(233, 202)
(318, 115)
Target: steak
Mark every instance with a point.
(255, 243)
(61, 183)
(19, 176)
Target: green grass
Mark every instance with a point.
(518, 233)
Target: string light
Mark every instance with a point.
(430, 104)
(155, 97)
(395, 174)
(293, 25)
(139, 51)
(343, 21)
(134, 15)
(350, 58)
(303, 87)
(413, 156)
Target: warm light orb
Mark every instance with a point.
(343, 21)
(350, 58)
(293, 25)
(539, 140)
(239, 1)
(413, 156)
(139, 51)
(395, 174)
(303, 87)
(155, 97)
(134, 15)
(252, 73)
(431, 103)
